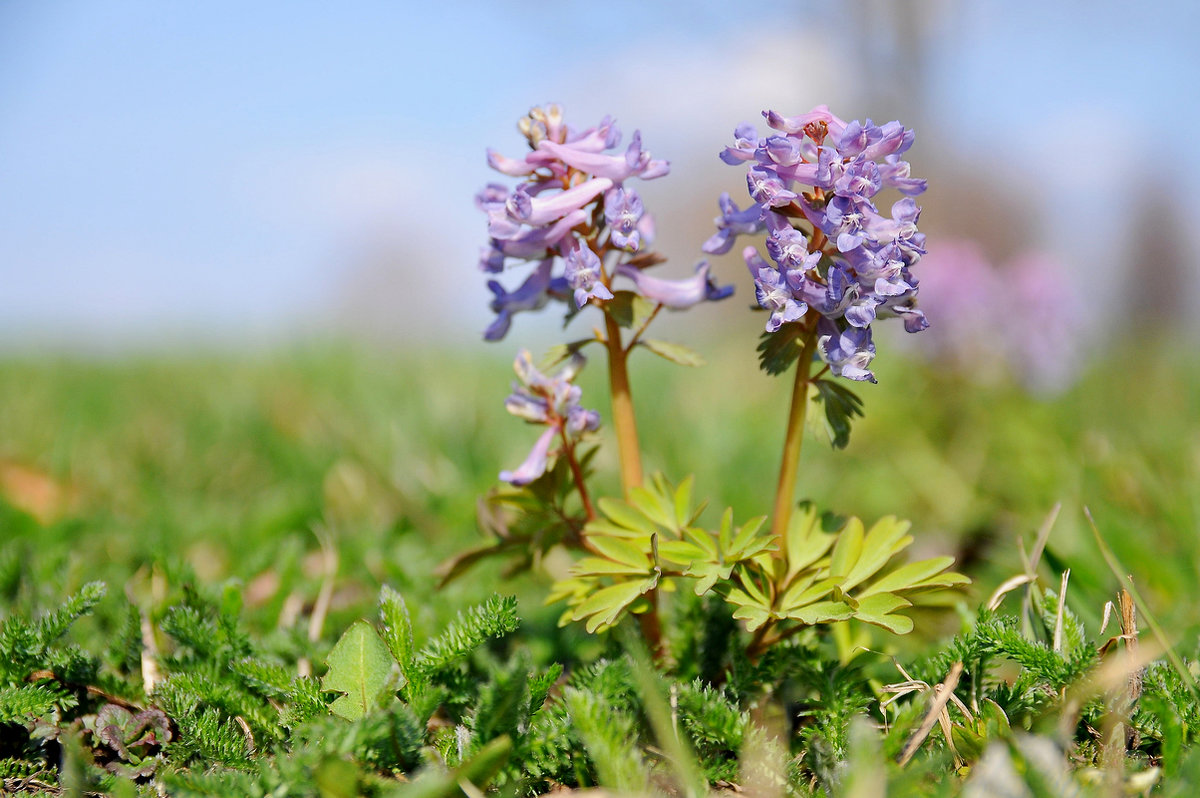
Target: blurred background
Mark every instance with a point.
(240, 305)
(233, 175)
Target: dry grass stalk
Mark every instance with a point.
(942, 694)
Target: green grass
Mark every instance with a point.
(225, 462)
(154, 473)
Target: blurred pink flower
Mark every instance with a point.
(1024, 316)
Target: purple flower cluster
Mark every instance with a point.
(853, 265)
(552, 402)
(573, 208)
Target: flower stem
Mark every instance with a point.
(577, 475)
(785, 488)
(624, 422)
(631, 460)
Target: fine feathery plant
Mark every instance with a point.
(836, 266)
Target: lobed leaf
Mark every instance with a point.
(604, 607)
(841, 406)
(625, 515)
(847, 549)
(877, 609)
(822, 612)
(909, 576)
(777, 351)
(623, 551)
(805, 542)
(885, 539)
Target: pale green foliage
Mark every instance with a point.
(397, 629)
(362, 669)
(676, 353)
(497, 617)
(22, 701)
(610, 737)
(827, 570)
(24, 644)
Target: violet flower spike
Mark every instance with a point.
(509, 166)
(797, 124)
(518, 241)
(863, 273)
(549, 400)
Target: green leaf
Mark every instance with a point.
(610, 738)
(626, 515)
(683, 502)
(994, 719)
(397, 629)
(560, 352)
(706, 575)
(460, 563)
(495, 618)
(361, 668)
(703, 540)
(745, 545)
(886, 539)
(823, 612)
(743, 599)
(676, 353)
(622, 550)
(751, 586)
(847, 550)
(841, 406)
(754, 616)
(602, 526)
(949, 579)
(967, 743)
(910, 575)
(654, 506)
(681, 552)
(476, 772)
(804, 592)
(598, 566)
(777, 351)
(805, 542)
(603, 607)
(877, 609)
(628, 309)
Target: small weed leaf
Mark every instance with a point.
(361, 668)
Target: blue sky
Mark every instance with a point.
(218, 169)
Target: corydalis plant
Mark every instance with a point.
(838, 265)
(579, 230)
(813, 191)
(577, 222)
